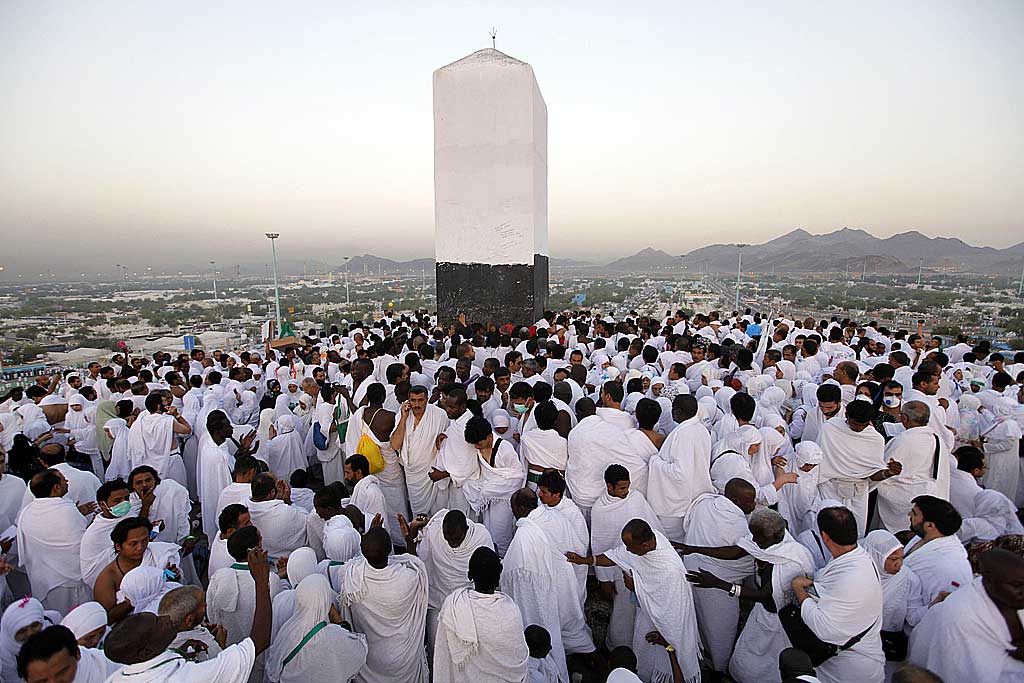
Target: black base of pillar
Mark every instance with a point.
(515, 294)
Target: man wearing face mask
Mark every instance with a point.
(852, 454)
(887, 420)
(97, 551)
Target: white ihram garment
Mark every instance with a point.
(480, 638)
(679, 473)
(389, 606)
(607, 518)
(714, 521)
(666, 605)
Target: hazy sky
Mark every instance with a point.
(130, 130)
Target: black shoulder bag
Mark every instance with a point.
(803, 638)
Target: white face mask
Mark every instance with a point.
(892, 401)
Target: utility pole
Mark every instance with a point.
(920, 270)
(348, 299)
(739, 270)
(213, 271)
(277, 297)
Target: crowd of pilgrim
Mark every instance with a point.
(742, 497)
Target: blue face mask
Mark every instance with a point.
(121, 509)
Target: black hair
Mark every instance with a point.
(969, 458)
(262, 485)
(358, 463)
(829, 393)
(553, 481)
(45, 644)
(546, 414)
(120, 532)
(743, 406)
(538, 641)
(839, 523)
(477, 429)
(939, 512)
(228, 517)
(109, 487)
(141, 469)
(648, 413)
(614, 390)
(242, 541)
(613, 474)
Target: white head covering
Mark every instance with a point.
(313, 599)
(880, 544)
(722, 398)
(301, 563)
(144, 587)
(500, 418)
(969, 403)
(266, 419)
(17, 616)
(787, 368)
(771, 442)
(341, 540)
(998, 510)
(740, 441)
(85, 618)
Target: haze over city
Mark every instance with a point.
(158, 132)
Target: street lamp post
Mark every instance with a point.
(348, 299)
(277, 296)
(213, 270)
(739, 270)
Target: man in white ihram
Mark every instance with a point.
(846, 608)
(665, 638)
(49, 538)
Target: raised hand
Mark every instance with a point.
(259, 567)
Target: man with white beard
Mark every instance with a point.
(716, 521)
(445, 543)
(536, 575)
(386, 598)
(611, 512)
(415, 437)
(480, 635)
(681, 470)
(852, 454)
(925, 463)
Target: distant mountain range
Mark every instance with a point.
(800, 251)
